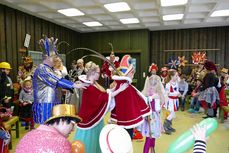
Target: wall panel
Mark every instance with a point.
(15, 24)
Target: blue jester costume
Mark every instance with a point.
(46, 84)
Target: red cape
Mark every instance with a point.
(94, 107)
(130, 107)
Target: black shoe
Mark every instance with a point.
(27, 127)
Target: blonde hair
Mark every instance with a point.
(90, 67)
(154, 81)
(171, 73)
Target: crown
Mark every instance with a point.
(48, 46)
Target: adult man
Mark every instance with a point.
(51, 137)
(46, 83)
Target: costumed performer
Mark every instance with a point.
(153, 69)
(130, 105)
(96, 101)
(52, 136)
(152, 126)
(209, 95)
(26, 70)
(107, 70)
(172, 104)
(164, 74)
(46, 83)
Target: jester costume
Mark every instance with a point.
(45, 85)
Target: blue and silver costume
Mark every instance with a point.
(45, 84)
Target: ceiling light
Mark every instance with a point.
(173, 2)
(173, 17)
(117, 7)
(71, 12)
(92, 24)
(129, 20)
(220, 13)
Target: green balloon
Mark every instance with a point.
(186, 140)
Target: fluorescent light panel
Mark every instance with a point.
(220, 13)
(117, 7)
(129, 21)
(173, 2)
(92, 24)
(173, 17)
(71, 12)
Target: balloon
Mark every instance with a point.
(186, 140)
(78, 147)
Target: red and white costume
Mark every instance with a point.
(130, 104)
(93, 110)
(171, 89)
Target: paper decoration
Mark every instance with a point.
(199, 57)
(173, 63)
(182, 61)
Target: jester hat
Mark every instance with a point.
(126, 65)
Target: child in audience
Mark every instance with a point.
(183, 89)
(195, 104)
(26, 101)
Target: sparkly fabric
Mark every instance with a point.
(45, 86)
(44, 139)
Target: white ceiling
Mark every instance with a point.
(149, 12)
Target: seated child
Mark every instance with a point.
(26, 101)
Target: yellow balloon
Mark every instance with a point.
(78, 147)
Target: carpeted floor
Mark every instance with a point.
(218, 142)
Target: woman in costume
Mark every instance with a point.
(130, 105)
(152, 127)
(172, 104)
(96, 101)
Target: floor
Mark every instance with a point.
(218, 142)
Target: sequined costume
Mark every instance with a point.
(45, 84)
(44, 139)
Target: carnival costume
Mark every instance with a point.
(45, 85)
(130, 104)
(209, 95)
(107, 69)
(26, 71)
(95, 104)
(164, 74)
(152, 126)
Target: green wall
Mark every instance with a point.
(134, 42)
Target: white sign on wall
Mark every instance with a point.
(27, 40)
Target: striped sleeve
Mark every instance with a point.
(199, 147)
